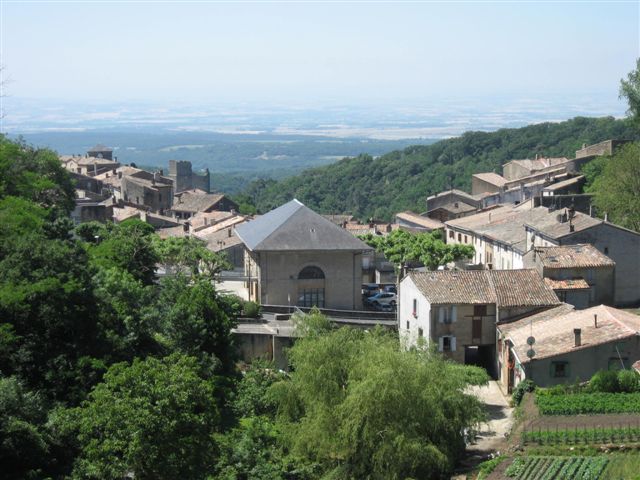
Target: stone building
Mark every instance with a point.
(150, 190)
(569, 345)
(579, 274)
(101, 151)
(458, 310)
(189, 202)
(294, 256)
(185, 179)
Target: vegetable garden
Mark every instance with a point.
(588, 403)
(560, 468)
(582, 436)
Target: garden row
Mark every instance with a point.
(587, 403)
(560, 468)
(582, 436)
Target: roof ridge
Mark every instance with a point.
(616, 319)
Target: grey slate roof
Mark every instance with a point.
(293, 226)
(505, 288)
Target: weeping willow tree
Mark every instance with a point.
(359, 407)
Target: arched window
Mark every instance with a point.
(311, 287)
(311, 273)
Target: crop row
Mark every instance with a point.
(557, 468)
(588, 403)
(584, 435)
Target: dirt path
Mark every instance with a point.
(492, 437)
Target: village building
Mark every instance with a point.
(295, 256)
(567, 345)
(517, 169)
(457, 310)
(189, 202)
(101, 151)
(88, 165)
(579, 274)
(185, 179)
(452, 204)
(620, 244)
(150, 190)
(487, 183)
(418, 222)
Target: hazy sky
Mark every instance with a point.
(315, 51)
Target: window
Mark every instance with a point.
(415, 307)
(465, 239)
(447, 343)
(420, 333)
(311, 273)
(559, 369)
(460, 237)
(606, 250)
(311, 297)
(159, 197)
(447, 314)
(451, 234)
(407, 324)
(615, 363)
(479, 310)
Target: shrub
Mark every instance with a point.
(628, 381)
(251, 309)
(605, 381)
(521, 389)
(489, 466)
(588, 403)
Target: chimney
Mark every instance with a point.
(595, 320)
(455, 205)
(577, 334)
(537, 156)
(119, 174)
(229, 232)
(606, 217)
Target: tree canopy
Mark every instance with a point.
(630, 89)
(359, 407)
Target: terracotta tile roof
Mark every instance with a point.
(492, 178)
(572, 256)
(419, 220)
(552, 227)
(505, 288)
(564, 183)
(195, 201)
(539, 163)
(553, 330)
(571, 284)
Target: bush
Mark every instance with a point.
(251, 309)
(605, 381)
(521, 389)
(486, 468)
(588, 403)
(628, 381)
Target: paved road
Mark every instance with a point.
(492, 434)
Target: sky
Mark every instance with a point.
(324, 51)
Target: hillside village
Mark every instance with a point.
(542, 298)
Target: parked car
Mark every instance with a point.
(369, 289)
(383, 298)
(390, 288)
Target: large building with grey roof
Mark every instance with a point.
(294, 256)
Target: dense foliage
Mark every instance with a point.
(361, 408)
(366, 187)
(586, 403)
(615, 182)
(428, 249)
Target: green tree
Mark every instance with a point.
(189, 255)
(195, 320)
(400, 248)
(617, 189)
(630, 89)
(362, 408)
(154, 419)
(127, 246)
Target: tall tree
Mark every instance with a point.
(617, 189)
(153, 419)
(362, 408)
(630, 89)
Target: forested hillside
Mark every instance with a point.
(379, 187)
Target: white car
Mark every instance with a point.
(383, 298)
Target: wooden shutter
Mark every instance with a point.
(454, 313)
(440, 343)
(453, 344)
(441, 314)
